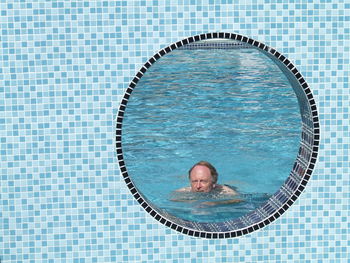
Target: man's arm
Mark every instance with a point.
(222, 202)
(179, 195)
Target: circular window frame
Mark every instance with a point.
(288, 192)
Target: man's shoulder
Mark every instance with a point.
(224, 189)
(184, 190)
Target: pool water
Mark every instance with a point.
(233, 108)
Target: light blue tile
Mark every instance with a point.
(63, 69)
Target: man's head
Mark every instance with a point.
(203, 177)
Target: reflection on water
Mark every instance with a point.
(233, 108)
(207, 207)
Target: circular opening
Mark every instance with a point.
(229, 100)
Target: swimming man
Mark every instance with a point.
(203, 178)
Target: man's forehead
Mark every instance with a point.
(200, 168)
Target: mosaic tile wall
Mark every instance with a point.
(63, 68)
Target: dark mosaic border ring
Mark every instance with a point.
(289, 191)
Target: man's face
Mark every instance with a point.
(201, 179)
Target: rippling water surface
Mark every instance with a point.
(233, 108)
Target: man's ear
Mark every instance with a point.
(214, 185)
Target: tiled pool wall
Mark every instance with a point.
(64, 68)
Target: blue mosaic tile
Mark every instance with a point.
(64, 67)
